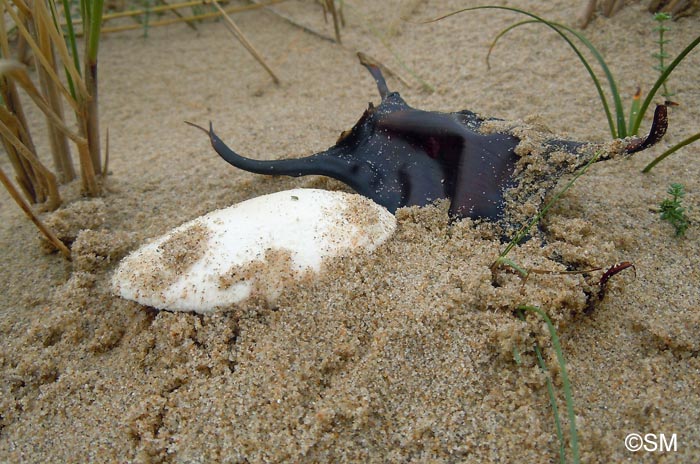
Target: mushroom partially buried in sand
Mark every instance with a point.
(251, 250)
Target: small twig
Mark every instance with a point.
(166, 22)
(175, 6)
(366, 59)
(14, 193)
(242, 39)
(190, 22)
(594, 298)
(587, 13)
(336, 23)
(104, 167)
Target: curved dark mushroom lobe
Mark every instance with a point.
(400, 156)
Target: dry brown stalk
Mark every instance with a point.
(66, 61)
(35, 26)
(18, 73)
(238, 34)
(293, 22)
(192, 24)
(90, 126)
(34, 218)
(330, 6)
(44, 46)
(105, 167)
(47, 42)
(25, 175)
(174, 6)
(177, 6)
(36, 49)
(46, 180)
(63, 162)
(12, 116)
(369, 60)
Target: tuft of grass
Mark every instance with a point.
(673, 212)
(566, 386)
(37, 24)
(52, 51)
(620, 126)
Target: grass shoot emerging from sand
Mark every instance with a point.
(502, 260)
(566, 386)
(673, 212)
(620, 127)
(661, 55)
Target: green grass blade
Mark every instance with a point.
(502, 33)
(550, 392)
(619, 110)
(71, 35)
(85, 14)
(553, 403)
(146, 18)
(620, 131)
(70, 40)
(512, 264)
(95, 12)
(564, 379)
(659, 82)
(634, 109)
(557, 28)
(670, 151)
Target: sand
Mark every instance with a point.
(405, 355)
